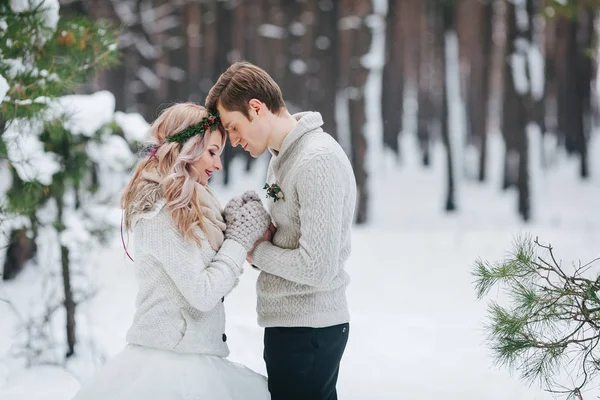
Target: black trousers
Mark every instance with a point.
(303, 363)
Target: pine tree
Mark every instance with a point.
(552, 320)
(61, 159)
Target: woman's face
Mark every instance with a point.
(210, 160)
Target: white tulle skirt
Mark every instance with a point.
(143, 373)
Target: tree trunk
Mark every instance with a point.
(550, 82)
(512, 124)
(487, 44)
(584, 41)
(191, 19)
(20, 249)
(475, 40)
(577, 92)
(322, 88)
(175, 57)
(538, 42)
(274, 40)
(69, 302)
(293, 85)
(526, 111)
(392, 91)
(447, 28)
(213, 17)
(222, 28)
(518, 102)
(247, 18)
(574, 92)
(424, 65)
(563, 82)
(355, 41)
(468, 27)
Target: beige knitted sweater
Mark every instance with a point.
(303, 282)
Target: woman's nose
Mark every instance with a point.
(218, 165)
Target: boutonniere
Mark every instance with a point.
(274, 191)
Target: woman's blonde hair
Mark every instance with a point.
(169, 172)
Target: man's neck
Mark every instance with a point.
(282, 124)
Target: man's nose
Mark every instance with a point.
(234, 139)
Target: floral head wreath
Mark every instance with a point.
(207, 124)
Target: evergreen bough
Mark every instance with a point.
(548, 327)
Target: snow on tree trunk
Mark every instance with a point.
(519, 91)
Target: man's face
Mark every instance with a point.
(250, 134)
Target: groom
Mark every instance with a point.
(311, 196)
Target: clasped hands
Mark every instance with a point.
(248, 222)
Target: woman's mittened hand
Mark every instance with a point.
(247, 223)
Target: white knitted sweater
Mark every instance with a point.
(303, 282)
(181, 287)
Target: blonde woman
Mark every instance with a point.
(189, 255)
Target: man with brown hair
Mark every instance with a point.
(312, 193)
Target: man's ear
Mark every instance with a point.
(256, 105)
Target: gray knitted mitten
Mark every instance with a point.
(250, 195)
(246, 221)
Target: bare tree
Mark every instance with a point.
(355, 41)
(447, 25)
(517, 108)
(562, 81)
(578, 66)
(322, 83)
(69, 301)
(191, 18)
(475, 46)
(424, 68)
(274, 33)
(392, 95)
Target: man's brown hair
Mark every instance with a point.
(242, 82)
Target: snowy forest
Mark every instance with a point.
(316, 50)
(468, 121)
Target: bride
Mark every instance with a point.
(188, 257)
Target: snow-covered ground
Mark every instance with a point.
(416, 325)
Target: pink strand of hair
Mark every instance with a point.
(154, 150)
(123, 239)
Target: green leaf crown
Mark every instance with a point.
(206, 125)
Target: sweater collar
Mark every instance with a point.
(307, 121)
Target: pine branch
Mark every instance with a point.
(552, 320)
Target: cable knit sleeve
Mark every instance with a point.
(321, 188)
(202, 284)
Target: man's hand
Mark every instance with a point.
(267, 237)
